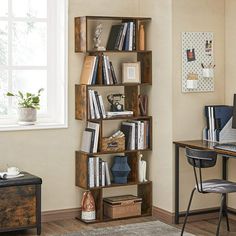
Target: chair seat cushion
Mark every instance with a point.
(218, 186)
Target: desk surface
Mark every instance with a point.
(205, 145)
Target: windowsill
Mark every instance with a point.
(37, 126)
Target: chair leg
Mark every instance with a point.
(220, 215)
(187, 212)
(226, 215)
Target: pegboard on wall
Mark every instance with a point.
(197, 52)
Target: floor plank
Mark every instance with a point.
(199, 228)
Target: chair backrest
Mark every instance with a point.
(200, 159)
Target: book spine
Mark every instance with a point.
(103, 173)
(123, 36)
(142, 136)
(102, 106)
(92, 114)
(91, 172)
(106, 70)
(113, 73)
(98, 103)
(95, 71)
(107, 174)
(119, 38)
(97, 171)
(131, 36)
(109, 70)
(95, 105)
(134, 36)
(126, 44)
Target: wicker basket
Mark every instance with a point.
(122, 206)
(113, 144)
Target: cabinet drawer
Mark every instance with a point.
(17, 206)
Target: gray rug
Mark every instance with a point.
(153, 228)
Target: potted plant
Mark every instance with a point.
(28, 104)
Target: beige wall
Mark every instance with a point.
(230, 73)
(188, 118)
(176, 116)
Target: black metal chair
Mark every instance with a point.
(205, 159)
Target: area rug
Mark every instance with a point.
(152, 228)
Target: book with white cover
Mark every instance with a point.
(107, 174)
(96, 127)
(142, 135)
(96, 171)
(92, 114)
(103, 173)
(97, 115)
(131, 36)
(102, 106)
(91, 172)
(86, 141)
(138, 133)
(119, 113)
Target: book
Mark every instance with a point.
(113, 74)
(121, 43)
(86, 141)
(119, 113)
(88, 70)
(98, 103)
(131, 31)
(114, 36)
(96, 171)
(91, 177)
(91, 107)
(92, 138)
(103, 174)
(96, 127)
(96, 111)
(95, 71)
(102, 106)
(107, 174)
(109, 70)
(128, 128)
(106, 70)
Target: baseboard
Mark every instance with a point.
(169, 217)
(64, 214)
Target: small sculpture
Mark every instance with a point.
(88, 206)
(97, 38)
(142, 166)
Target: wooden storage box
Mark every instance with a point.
(122, 206)
(113, 144)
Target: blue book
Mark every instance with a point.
(95, 71)
(127, 36)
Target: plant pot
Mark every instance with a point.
(27, 116)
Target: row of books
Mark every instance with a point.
(89, 74)
(96, 105)
(90, 138)
(122, 37)
(216, 118)
(98, 172)
(137, 134)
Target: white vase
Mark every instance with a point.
(27, 116)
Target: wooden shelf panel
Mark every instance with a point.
(116, 18)
(113, 185)
(123, 118)
(112, 152)
(117, 85)
(114, 51)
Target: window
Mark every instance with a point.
(33, 55)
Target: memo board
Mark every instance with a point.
(197, 52)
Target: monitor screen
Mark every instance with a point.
(234, 113)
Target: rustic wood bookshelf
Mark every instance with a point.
(131, 92)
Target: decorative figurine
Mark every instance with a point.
(88, 206)
(142, 166)
(97, 38)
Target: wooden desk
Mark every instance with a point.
(197, 144)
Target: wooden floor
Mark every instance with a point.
(203, 228)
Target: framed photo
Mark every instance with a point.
(131, 72)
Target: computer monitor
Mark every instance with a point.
(234, 113)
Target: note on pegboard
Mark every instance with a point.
(197, 52)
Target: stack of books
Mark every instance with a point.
(96, 105)
(90, 138)
(98, 172)
(137, 134)
(89, 74)
(122, 37)
(216, 118)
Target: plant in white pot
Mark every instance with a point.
(28, 104)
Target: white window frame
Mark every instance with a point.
(57, 116)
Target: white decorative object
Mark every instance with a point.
(97, 38)
(142, 167)
(192, 84)
(208, 73)
(201, 43)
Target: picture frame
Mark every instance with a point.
(131, 72)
